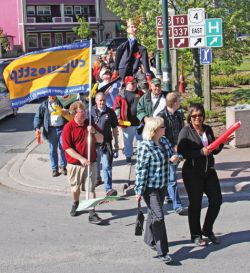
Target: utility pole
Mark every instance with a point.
(207, 87)
(166, 66)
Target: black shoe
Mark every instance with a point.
(212, 238)
(73, 211)
(111, 193)
(55, 173)
(165, 258)
(181, 211)
(95, 219)
(128, 159)
(63, 170)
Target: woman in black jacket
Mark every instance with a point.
(199, 174)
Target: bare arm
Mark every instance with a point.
(115, 135)
(84, 161)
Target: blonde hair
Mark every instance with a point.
(74, 106)
(151, 125)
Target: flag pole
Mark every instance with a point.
(90, 108)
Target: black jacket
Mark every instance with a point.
(190, 146)
(127, 61)
(169, 130)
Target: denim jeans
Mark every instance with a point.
(55, 142)
(104, 168)
(129, 133)
(172, 191)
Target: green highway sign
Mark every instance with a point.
(214, 32)
(214, 41)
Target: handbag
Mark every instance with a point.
(139, 221)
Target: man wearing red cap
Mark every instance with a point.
(125, 106)
(130, 54)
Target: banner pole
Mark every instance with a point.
(90, 108)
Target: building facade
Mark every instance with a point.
(39, 24)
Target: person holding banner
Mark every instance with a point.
(199, 174)
(75, 144)
(52, 131)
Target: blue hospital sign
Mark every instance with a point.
(205, 55)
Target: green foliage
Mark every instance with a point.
(242, 96)
(222, 99)
(211, 114)
(83, 31)
(230, 80)
(190, 99)
(4, 41)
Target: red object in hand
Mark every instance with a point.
(148, 77)
(38, 137)
(223, 138)
(114, 75)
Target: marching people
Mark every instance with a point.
(52, 130)
(75, 144)
(125, 107)
(106, 120)
(199, 174)
(151, 181)
(130, 55)
(173, 122)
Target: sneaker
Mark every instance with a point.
(95, 219)
(73, 211)
(128, 159)
(165, 258)
(63, 170)
(111, 193)
(55, 173)
(168, 200)
(181, 211)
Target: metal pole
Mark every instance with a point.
(158, 63)
(207, 87)
(166, 65)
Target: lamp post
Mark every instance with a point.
(166, 65)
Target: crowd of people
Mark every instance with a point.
(129, 100)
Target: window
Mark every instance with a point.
(58, 39)
(77, 10)
(68, 10)
(43, 10)
(70, 37)
(31, 10)
(85, 9)
(46, 40)
(33, 40)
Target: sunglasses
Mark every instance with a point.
(197, 116)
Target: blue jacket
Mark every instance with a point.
(42, 117)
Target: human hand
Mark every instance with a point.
(115, 153)
(206, 151)
(84, 162)
(230, 138)
(138, 198)
(91, 129)
(174, 159)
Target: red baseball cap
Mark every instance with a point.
(129, 79)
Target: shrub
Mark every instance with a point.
(222, 99)
(189, 100)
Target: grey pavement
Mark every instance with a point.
(30, 171)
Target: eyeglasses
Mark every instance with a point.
(197, 116)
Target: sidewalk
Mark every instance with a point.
(30, 171)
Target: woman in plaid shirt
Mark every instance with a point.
(151, 180)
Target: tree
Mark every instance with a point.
(83, 31)
(234, 14)
(3, 41)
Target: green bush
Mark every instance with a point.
(231, 80)
(185, 103)
(222, 99)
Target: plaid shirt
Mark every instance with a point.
(152, 165)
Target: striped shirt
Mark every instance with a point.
(152, 165)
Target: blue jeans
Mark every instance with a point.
(129, 133)
(104, 165)
(55, 142)
(172, 191)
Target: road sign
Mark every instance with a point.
(214, 32)
(180, 20)
(180, 31)
(196, 42)
(181, 42)
(205, 55)
(197, 30)
(196, 16)
(159, 25)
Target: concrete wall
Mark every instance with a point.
(242, 135)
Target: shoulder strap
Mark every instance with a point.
(156, 105)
